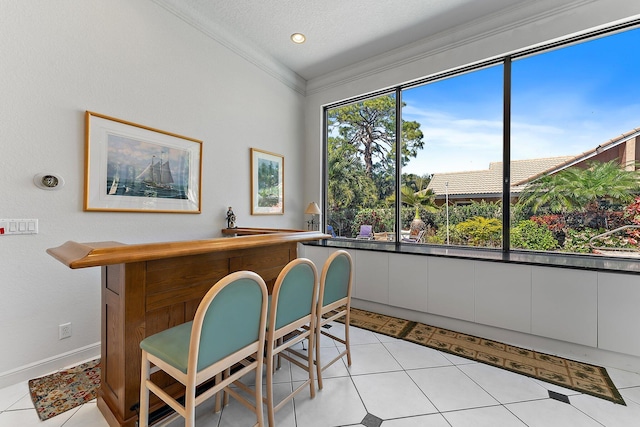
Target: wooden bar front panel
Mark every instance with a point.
(143, 298)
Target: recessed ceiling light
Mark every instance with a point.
(298, 38)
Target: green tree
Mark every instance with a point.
(370, 126)
(361, 156)
(348, 185)
(425, 199)
(582, 189)
(414, 193)
(416, 182)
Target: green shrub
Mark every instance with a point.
(455, 236)
(530, 235)
(577, 240)
(519, 213)
(435, 239)
(480, 231)
(407, 213)
(462, 213)
(381, 220)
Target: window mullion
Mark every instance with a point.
(398, 183)
(506, 157)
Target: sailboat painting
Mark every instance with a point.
(142, 169)
(132, 168)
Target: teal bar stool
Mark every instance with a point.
(228, 329)
(334, 301)
(292, 317)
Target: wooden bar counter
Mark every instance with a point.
(147, 288)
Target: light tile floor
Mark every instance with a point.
(392, 383)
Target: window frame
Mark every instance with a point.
(570, 260)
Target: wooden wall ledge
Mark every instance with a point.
(247, 231)
(94, 254)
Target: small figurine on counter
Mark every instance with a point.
(231, 218)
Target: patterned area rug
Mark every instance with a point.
(582, 377)
(56, 393)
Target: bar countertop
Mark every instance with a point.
(94, 254)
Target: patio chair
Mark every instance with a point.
(331, 231)
(366, 232)
(384, 236)
(417, 238)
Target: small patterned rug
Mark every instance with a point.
(57, 393)
(582, 377)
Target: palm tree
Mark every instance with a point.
(414, 193)
(423, 198)
(606, 181)
(582, 189)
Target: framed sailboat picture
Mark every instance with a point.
(135, 168)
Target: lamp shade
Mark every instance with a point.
(313, 209)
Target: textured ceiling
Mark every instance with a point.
(339, 32)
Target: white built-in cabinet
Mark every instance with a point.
(564, 304)
(590, 308)
(372, 272)
(450, 288)
(408, 282)
(503, 295)
(619, 312)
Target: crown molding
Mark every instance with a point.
(236, 44)
(477, 30)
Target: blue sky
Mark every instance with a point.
(564, 102)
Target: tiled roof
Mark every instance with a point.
(581, 157)
(489, 181)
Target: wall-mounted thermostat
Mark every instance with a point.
(48, 181)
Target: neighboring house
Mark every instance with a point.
(465, 187)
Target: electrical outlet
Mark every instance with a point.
(64, 331)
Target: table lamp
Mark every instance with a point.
(313, 209)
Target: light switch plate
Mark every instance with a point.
(18, 226)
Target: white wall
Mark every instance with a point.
(135, 61)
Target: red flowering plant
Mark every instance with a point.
(632, 214)
(632, 211)
(555, 223)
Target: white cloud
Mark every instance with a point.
(454, 143)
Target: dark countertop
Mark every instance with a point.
(544, 259)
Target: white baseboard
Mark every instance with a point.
(49, 365)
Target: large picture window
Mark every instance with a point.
(569, 156)
(452, 188)
(361, 168)
(575, 111)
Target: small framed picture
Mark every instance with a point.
(267, 183)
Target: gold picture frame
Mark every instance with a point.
(135, 168)
(267, 183)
